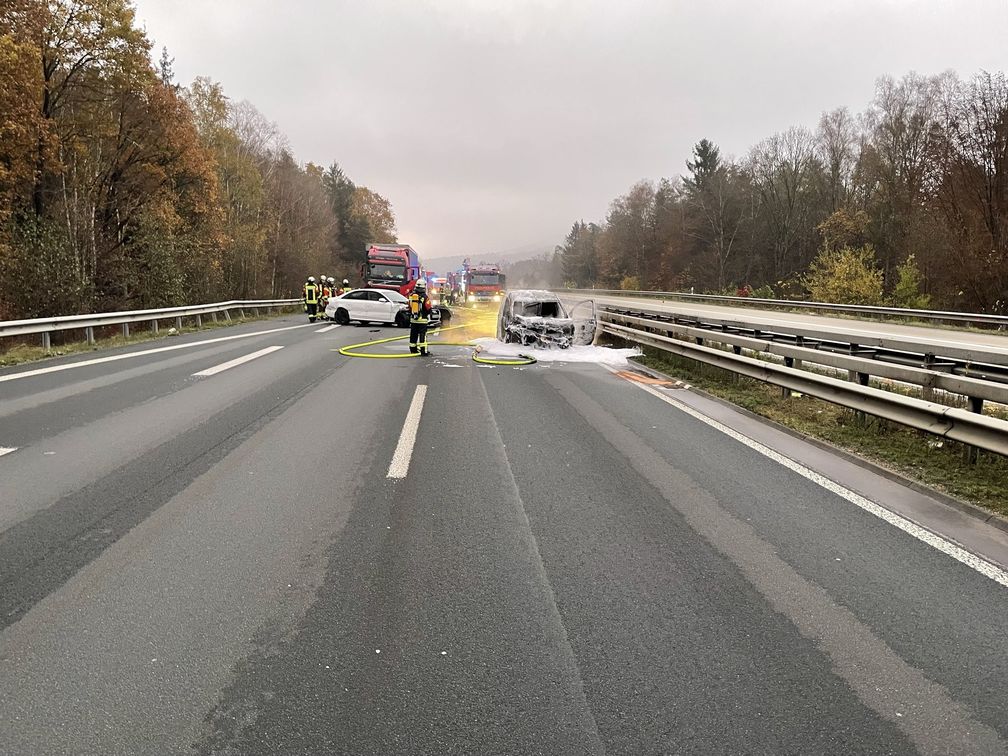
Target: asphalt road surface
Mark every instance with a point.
(243, 542)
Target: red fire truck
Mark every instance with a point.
(484, 283)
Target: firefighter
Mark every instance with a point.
(420, 309)
(346, 286)
(333, 291)
(311, 293)
(325, 292)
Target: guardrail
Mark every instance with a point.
(968, 426)
(864, 310)
(87, 323)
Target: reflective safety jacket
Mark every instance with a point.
(326, 293)
(419, 307)
(310, 293)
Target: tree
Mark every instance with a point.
(629, 245)
(120, 189)
(896, 164)
(704, 166)
(579, 254)
(377, 212)
(836, 146)
(785, 173)
(845, 276)
(972, 198)
(717, 210)
(844, 229)
(907, 292)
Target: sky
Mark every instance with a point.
(493, 126)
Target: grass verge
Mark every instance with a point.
(934, 462)
(20, 354)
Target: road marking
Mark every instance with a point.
(404, 449)
(7, 450)
(981, 565)
(117, 357)
(327, 328)
(235, 362)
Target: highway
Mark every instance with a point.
(240, 541)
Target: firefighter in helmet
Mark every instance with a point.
(420, 308)
(311, 298)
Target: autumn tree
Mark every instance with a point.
(121, 189)
(717, 207)
(579, 254)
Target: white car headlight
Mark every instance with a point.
(472, 297)
(496, 297)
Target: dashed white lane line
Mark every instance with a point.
(143, 353)
(933, 540)
(7, 450)
(404, 449)
(327, 328)
(235, 362)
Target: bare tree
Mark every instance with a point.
(837, 147)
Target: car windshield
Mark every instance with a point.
(395, 296)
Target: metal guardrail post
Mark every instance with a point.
(785, 391)
(89, 334)
(927, 392)
(178, 324)
(970, 452)
(125, 330)
(46, 342)
(199, 321)
(227, 315)
(154, 326)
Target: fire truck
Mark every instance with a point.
(391, 266)
(484, 283)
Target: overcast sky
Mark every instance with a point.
(494, 125)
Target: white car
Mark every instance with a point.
(369, 306)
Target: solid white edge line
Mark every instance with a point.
(7, 450)
(981, 565)
(327, 328)
(407, 438)
(128, 355)
(235, 362)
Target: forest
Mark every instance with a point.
(121, 188)
(905, 203)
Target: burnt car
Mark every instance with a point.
(538, 318)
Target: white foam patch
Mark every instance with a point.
(595, 354)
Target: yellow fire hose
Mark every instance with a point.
(351, 350)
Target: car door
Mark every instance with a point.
(585, 320)
(356, 304)
(381, 307)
